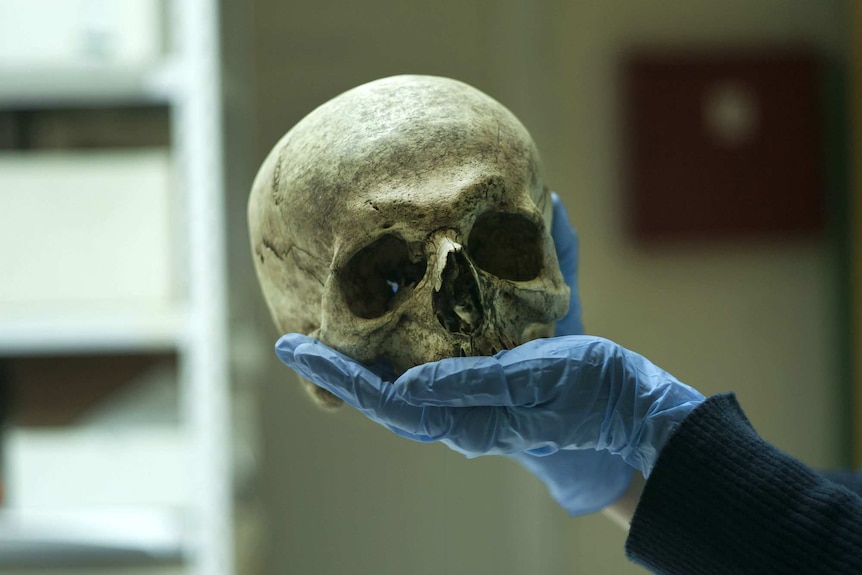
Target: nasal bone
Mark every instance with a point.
(456, 298)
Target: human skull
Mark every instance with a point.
(406, 221)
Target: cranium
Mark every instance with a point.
(406, 220)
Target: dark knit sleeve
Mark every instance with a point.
(852, 480)
(721, 500)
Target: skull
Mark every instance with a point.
(406, 221)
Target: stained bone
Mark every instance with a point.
(406, 220)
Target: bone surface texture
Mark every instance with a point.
(406, 221)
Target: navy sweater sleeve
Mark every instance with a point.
(721, 500)
(849, 479)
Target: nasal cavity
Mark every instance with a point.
(458, 302)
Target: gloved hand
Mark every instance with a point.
(564, 407)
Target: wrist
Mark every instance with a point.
(643, 406)
(622, 510)
(580, 481)
(675, 405)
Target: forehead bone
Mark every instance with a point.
(393, 133)
(396, 126)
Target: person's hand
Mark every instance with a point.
(563, 407)
(566, 247)
(547, 395)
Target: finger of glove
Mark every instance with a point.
(347, 384)
(473, 432)
(566, 246)
(495, 431)
(361, 388)
(526, 376)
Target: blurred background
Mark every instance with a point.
(704, 151)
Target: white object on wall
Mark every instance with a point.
(54, 32)
(65, 469)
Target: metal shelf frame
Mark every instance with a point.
(205, 359)
(189, 82)
(87, 86)
(30, 332)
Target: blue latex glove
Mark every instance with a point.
(547, 395)
(566, 246)
(581, 481)
(563, 407)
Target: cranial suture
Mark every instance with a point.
(406, 220)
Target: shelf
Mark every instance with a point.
(98, 329)
(186, 83)
(86, 86)
(44, 538)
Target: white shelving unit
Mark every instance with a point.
(194, 325)
(88, 85)
(31, 331)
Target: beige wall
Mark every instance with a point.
(343, 496)
(758, 318)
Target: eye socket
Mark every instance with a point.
(508, 246)
(377, 274)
